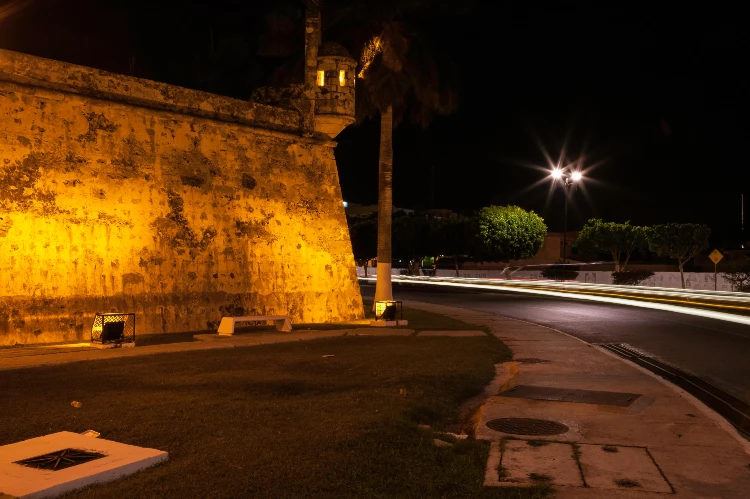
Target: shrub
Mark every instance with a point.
(630, 277)
(739, 276)
(560, 272)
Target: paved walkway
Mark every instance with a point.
(654, 440)
(34, 356)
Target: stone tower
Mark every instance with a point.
(325, 100)
(334, 106)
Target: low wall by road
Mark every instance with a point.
(693, 280)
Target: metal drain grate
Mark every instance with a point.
(527, 426)
(61, 459)
(554, 394)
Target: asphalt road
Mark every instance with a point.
(714, 350)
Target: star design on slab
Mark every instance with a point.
(60, 459)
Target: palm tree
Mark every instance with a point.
(399, 76)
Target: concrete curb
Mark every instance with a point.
(710, 413)
(471, 411)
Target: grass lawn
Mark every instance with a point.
(276, 420)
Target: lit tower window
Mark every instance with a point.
(342, 78)
(321, 78)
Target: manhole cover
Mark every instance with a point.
(527, 426)
(61, 459)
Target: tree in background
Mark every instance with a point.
(739, 276)
(454, 236)
(681, 242)
(617, 239)
(364, 236)
(510, 232)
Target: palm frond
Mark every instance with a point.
(395, 46)
(398, 66)
(385, 86)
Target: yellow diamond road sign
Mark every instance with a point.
(715, 256)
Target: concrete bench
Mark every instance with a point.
(226, 327)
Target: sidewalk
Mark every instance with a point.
(34, 356)
(641, 438)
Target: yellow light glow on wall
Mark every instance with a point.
(342, 78)
(321, 78)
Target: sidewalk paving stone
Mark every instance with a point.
(533, 462)
(617, 467)
(380, 331)
(457, 334)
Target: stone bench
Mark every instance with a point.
(226, 327)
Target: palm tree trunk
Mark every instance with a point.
(383, 287)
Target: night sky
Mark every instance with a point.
(653, 100)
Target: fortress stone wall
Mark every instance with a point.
(122, 194)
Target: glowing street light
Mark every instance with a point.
(567, 177)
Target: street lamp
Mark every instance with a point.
(568, 178)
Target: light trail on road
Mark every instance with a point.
(651, 302)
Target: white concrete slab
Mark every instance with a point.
(227, 325)
(618, 467)
(30, 483)
(526, 463)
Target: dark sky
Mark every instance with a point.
(653, 100)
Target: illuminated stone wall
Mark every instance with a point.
(120, 194)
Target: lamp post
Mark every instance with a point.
(568, 178)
